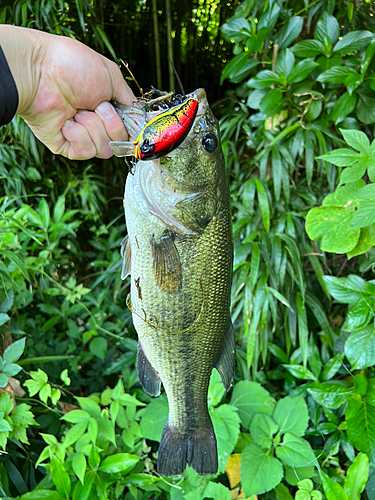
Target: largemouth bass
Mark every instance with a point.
(179, 254)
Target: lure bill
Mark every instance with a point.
(166, 130)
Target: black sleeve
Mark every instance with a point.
(8, 92)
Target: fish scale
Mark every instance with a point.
(180, 242)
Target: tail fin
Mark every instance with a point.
(178, 449)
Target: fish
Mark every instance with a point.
(179, 253)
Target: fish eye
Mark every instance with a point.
(209, 142)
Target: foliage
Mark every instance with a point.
(297, 133)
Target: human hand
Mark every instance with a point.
(64, 88)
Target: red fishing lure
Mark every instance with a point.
(166, 131)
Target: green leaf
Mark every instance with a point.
(154, 418)
(295, 451)
(12, 370)
(365, 109)
(360, 348)
(364, 215)
(291, 415)
(356, 477)
(332, 490)
(60, 477)
(107, 429)
(238, 68)
(14, 351)
(352, 41)
(59, 209)
(40, 494)
(308, 48)
(299, 372)
(293, 475)
(303, 331)
(332, 226)
(92, 429)
(44, 213)
(282, 492)
(89, 406)
(327, 26)
(357, 140)
(330, 394)
(79, 466)
(260, 472)
(226, 424)
(7, 303)
(98, 346)
(360, 419)
(216, 389)
(3, 318)
(74, 433)
(121, 462)
(232, 29)
(262, 429)
(263, 80)
(250, 398)
(289, 32)
(3, 380)
(343, 107)
(64, 377)
(347, 290)
(76, 416)
(302, 70)
(332, 366)
(217, 491)
(360, 314)
(337, 74)
(263, 205)
(272, 102)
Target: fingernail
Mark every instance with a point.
(82, 112)
(68, 123)
(104, 110)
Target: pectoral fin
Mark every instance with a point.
(166, 263)
(125, 251)
(225, 363)
(148, 377)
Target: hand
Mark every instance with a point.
(64, 88)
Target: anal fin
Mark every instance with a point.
(226, 361)
(125, 251)
(166, 263)
(148, 377)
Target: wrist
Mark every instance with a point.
(24, 51)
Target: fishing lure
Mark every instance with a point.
(166, 131)
(163, 133)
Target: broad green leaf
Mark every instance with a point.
(236, 29)
(3, 318)
(364, 215)
(76, 416)
(59, 209)
(365, 242)
(263, 205)
(365, 109)
(343, 157)
(332, 226)
(121, 462)
(352, 41)
(347, 290)
(7, 303)
(255, 97)
(60, 477)
(88, 405)
(343, 107)
(330, 394)
(360, 314)
(260, 472)
(226, 424)
(216, 389)
(154, 418)
(327, 26)
(332, 366)
(74, 433)
(263, 80)
(98, 346)
(217, 491)
(92, 429)
(291, 415)
(360, 419)
(44, 213)
(272, 102)
(79, 466)
(357, 140)
(295, 451)
(238, 68)
(12, 370)
(14, 351)
(285, 62)
(332, 490)
(356, 477)
(337, 74)
(106, 428)
(360, 348)
(308, 48)
(40, 494)
(262, 429)
(250, 398)
(293, 475)
(289, 32)
(302, 70)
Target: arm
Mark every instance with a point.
(63, 90)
